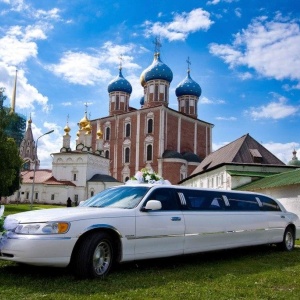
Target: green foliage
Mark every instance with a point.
(10, 162)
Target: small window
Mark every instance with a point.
(187, 106)
(27, 195)
(92, 193)
(107, 134)
(149, 153)
(150, 126)
(106, 153)
(52, 197)
(156, 93)
(127, 155)
(36, 196)
(117, 102)
(76, 198)
(74, 177)
(127, 130)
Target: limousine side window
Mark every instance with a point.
(167, 197)
(242, 202)
(203, 200)
(268, 204)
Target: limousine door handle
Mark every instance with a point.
(175, 219)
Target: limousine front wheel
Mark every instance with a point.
(288, 242)
(94, 256)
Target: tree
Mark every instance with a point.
(10, 162)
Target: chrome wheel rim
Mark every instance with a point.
(289, 240)
(102, 258)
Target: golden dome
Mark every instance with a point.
(88, 128)
(67, 129)
(84, 121)
(99, 134)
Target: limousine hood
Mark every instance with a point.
(67, 214)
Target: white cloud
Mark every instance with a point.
(257, 47)
(48, 143)
(282, 151)
(27, 95)
(273, 110)
(238, 12)
(215, 2)
(19, 43)
(182, 25)
(205, 100)
(226, 119)
(79, 68)
(87, 69)
(25, 9)
(245, 75)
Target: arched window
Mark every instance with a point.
(126, 178)
(92, 193)
(127, 155)
(106, 153)
(149, 152)
(107, 134)
(127, 130)
(150, 126)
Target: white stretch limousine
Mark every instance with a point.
(133, 222)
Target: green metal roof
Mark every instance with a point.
(251, 174)
(277, 180)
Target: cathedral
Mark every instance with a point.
(170, 142)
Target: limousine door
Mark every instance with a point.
(247, 228)
(160, 233)
(205, 220)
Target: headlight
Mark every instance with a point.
(43, 228)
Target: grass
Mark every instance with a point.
(247, 273)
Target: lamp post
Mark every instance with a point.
(35, 159)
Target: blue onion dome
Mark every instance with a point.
(157, 70)
(188, 87)
(142, 100)
(120, 84)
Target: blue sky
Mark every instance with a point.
(245, 54)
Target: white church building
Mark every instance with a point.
(76, 174)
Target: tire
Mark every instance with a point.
(94, 256)
(288, 242)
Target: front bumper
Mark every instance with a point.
(39, 250)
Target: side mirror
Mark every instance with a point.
(153, 205)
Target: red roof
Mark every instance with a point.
(43, 176)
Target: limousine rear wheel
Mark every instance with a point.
(94, 256)
(288, 242)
